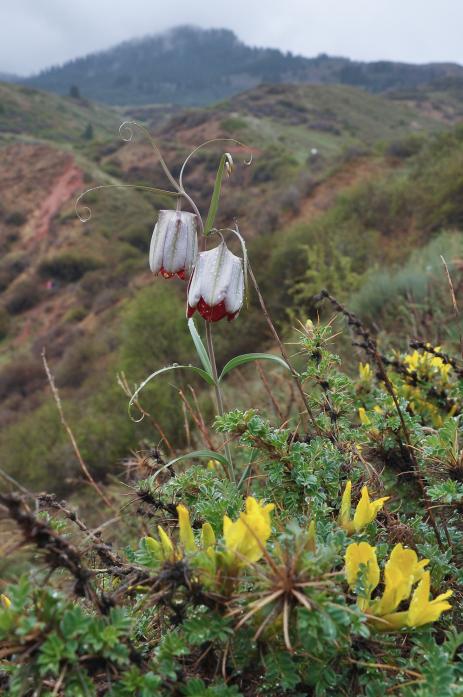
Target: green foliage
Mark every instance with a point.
(325, 267)
(159, 616)
(23, 296)
(4, 323)
(68, 267)
(417, 292)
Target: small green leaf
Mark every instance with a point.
(203, 454)
(198, 371)
(248, 358)
(199, 346)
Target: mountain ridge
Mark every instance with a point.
(191, 66)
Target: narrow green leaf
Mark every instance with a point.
(214, 205)
(199, 371)
(203, 454)
(248, 358)
(200, 348)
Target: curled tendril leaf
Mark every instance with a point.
(126, 125)
(88, 213)
(208, 142)
(175, 366)
(129, 126)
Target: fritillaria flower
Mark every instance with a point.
(217, 286)
(174, 244)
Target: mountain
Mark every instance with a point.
(9, 77)
(192, 66)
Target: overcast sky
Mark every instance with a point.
(37, 33)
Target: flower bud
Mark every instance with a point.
(217, 286)
(174, 244)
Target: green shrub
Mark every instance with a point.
(23, 296)
(11, 266)
(35, 450)
(5, 322)
(68, 267)
(16, 218)
(415, 295)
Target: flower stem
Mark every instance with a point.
(218, 394)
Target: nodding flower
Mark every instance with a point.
(217, 286)
(174, 244)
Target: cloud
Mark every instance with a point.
(34, 35)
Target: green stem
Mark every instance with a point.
(218, 394)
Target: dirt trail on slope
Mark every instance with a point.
(70, 180)
(325, 193)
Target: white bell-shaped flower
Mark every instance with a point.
(174, 244)
(217, 286)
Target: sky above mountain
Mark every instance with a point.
(35, 35)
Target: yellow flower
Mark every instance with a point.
(245, 538)
(154, 546)
(412, 360)
(186, 533)
(207, 536)
(422, 610)
(365, 512)
(364, 420)
(312, 537)
(360, 555)
(168, 551)
(5, 601)
(364, 371)
(402, 570)
(309, 328)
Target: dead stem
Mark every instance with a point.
(283, 351)
(68, 430)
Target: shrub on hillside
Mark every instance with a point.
(10, 267)
(23, 296)
(23, 376)
(416, 298)
(16, 218)
(5, 322)
(68, 267)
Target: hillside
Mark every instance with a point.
(191, 66)
(341, 181)
(27, 112)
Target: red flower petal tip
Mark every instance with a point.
(211, 314)
(169, 274)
